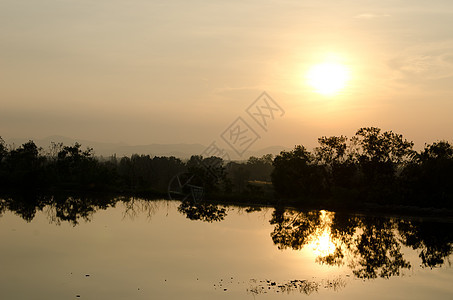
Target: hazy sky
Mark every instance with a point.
(168, 71)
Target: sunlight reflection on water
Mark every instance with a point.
(139, 249)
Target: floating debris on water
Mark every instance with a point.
(301, 286)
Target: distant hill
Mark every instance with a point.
(183, 151)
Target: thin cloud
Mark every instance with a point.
(241, 88)
(371, 16)
(432, 61)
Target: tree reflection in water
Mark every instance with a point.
(59, 208)
(370, 246)
(202, 211)
(135, 207)
(25, 205)
(434, 242)
(73, 208)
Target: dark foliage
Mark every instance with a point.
(28, 169)
(373, 167)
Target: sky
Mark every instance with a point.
(143, 72)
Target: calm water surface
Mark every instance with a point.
(137, 249)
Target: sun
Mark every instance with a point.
(328, 78)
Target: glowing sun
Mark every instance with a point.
(328, 78)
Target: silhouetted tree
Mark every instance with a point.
(373, 166)
(3, 149)
(260, 168)
(428, 179)
(3, 171)
(78, 169)
(209, 172)
(238, 174)
(296, 174)
(383, 147)
(23, 168)
(340, 163)
(379, 157)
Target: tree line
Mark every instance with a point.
(31, 169)
(371, 167)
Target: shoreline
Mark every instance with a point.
(365, 208)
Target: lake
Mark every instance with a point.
(99, 248)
